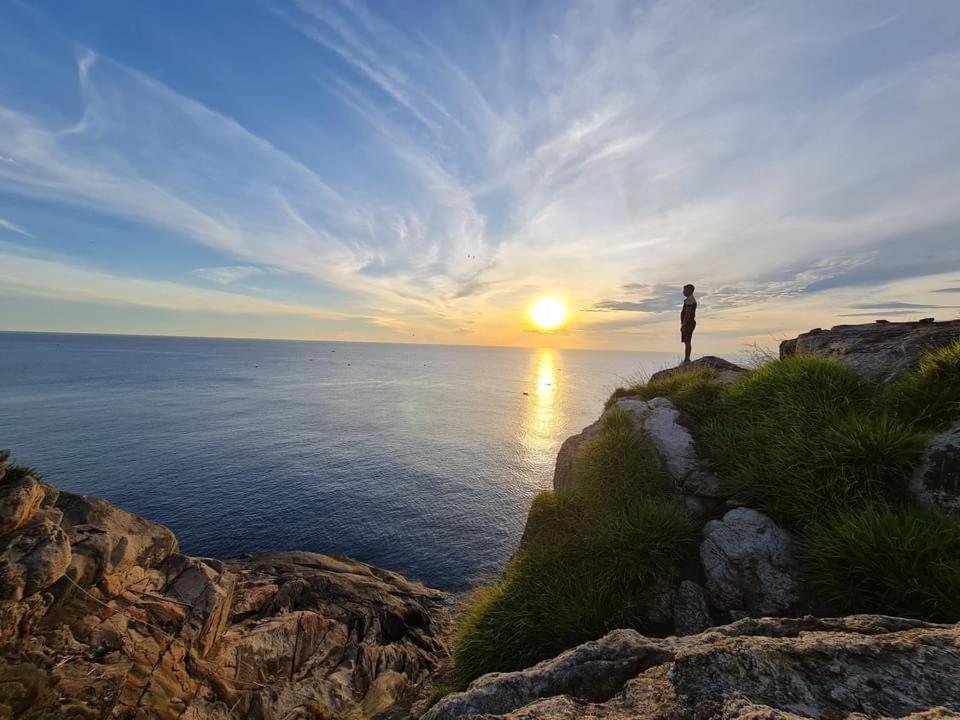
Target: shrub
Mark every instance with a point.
(879, 559)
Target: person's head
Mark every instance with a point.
(688, 290)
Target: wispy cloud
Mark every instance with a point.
(895, 305)
(32, 276)
(227, 275)
(7, 225)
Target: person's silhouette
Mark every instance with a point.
(688, 320)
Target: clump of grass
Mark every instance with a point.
(592, 559)
(881, 559)
(438, 693)
(794, 440)
(697, 393)
(929, 397)
(15, 472)
(619, 460)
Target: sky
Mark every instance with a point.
(400, 171)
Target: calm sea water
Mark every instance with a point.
(422, 459)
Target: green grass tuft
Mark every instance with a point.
(880, 559)
(930, 396)
(15, 472)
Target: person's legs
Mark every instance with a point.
(686, 351)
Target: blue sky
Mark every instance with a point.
(423, 171)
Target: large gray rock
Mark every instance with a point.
(881, 351)
(936, 483)
(660, 420)
(749, 564)
(857, 667)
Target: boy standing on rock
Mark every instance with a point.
(688, 320)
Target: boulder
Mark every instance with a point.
(881, 352)
(749, 564)
(32, 560)
(857, 667)
(660, 420)
(726, 371)
(691, 615)
(936, 483)
(112, 548)
(22, 499)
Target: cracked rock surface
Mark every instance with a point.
(102, 617)
(856, 667)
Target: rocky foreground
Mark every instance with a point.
(855, 667)
(102, 617)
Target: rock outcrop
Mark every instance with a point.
(695, 484)
(936, 483)
(726, 371)
(882, 351)
(749, 564)
(855, 667)
(102, 616)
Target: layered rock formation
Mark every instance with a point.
(101, 616)
(882, 352)
(854, 667)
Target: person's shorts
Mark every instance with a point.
(686, 332)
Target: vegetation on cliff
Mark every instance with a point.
(591, 560)
(805, 440)
(829, 454)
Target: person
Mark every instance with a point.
(688, 320)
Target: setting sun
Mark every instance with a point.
(548, 314)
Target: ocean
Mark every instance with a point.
(418, 458)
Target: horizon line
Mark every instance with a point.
(321, 340)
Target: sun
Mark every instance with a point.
(548, 314)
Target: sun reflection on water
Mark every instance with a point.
(543, 414)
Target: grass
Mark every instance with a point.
(882, 559)
(15, 472)
(829, 455)
(930, 396)
(593, 557)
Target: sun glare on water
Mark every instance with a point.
(548, 314)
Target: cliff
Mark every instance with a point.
(812, 486)
(101, 616)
